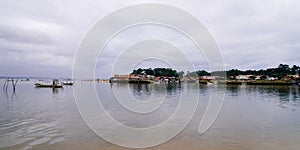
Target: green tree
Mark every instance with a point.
(295, 69)
(263, 77)
(149, 71)
(202, 73)
(181, 74)
(283, 70)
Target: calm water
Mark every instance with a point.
(252, 117)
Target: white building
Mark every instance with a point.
(243, 77)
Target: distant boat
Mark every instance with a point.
(55, 84)
(116, 80)
(139, 81)
(210, 83)
(68, 82)
(25, 79)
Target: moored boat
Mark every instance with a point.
(55, 84)
(139, 81)
(68, 82)
(270, 83)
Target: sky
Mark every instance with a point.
(40, 38)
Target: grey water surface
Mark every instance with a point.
(252, 117)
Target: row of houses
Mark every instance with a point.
(249, 77)
(144, 77)
(253, 77)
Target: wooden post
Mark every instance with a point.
(6, 86)
(14, 83)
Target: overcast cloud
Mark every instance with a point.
(40, 38)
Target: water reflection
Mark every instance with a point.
(141, 92)
(9, 100)
(252, 117)
(233, 89)
(112, 98)
(284, 94)
(54, 90)
(10, 97)
(27, 118)
(173, 88)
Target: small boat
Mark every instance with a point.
(55, 84)
(68, 82)
(203, 82)
(157, 81)
(139, 81)
(25, 79)
(117, 80)
(40, 85)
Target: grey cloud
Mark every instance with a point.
(251, 34)
(21, 35)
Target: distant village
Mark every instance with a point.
(282, 75)
(156, 75)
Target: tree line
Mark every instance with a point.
(279, 72)
(157, 72)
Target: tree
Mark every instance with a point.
(202, 73)
(149, 71)
(181, 74)
(157, 72)
(295, 70)
(233, 72)
(263, 77)
(283, 70)
(138, 71)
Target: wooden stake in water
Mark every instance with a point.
(13, 82)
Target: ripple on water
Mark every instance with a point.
(29, 132)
